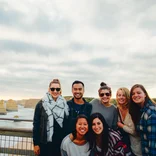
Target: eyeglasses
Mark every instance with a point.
(57, 89)
(102, 94)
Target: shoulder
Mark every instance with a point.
(65, 142)
(152, 109)
(150, 112)
(150, 115)
(114, 106)
(39, 105)
(88, 104)
(95, 101)
(69, 102)
(62, 98)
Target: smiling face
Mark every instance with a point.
(97, 126)
(53, 90)
(105, 96)
(138, 96)
(81, 126)
(121, 97)
(78, 90)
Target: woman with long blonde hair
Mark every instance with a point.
(125, 122)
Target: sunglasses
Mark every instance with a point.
(57, 89)
(102, 94)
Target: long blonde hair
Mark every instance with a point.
(126, 92)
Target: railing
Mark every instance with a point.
(16, 137)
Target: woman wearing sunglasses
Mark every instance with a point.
(103, 105)
(49, 119)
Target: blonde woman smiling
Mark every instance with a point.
(125, 122)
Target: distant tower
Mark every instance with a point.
(11, 105)
(2, 108)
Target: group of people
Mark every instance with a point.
(97, 128)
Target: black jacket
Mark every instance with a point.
(40, 127)
(74, 111)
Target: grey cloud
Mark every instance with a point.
(43, 22)
(112, 15)
(148, 25)
(27, 68)
(101, 62)
(68, 63)
(21, 46)
(9, 17)
(146, 61)
(76, 46)
(105, 16)
(148, 56)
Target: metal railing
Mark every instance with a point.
(15, 137)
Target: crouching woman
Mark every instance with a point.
(76, 143)
(104, 141)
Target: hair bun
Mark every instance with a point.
(103, 84)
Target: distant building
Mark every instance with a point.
(21, 102)
(31, 103)
(2, 108)
(11, 105)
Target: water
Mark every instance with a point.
(22, 113)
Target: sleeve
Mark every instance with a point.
(36, 125)
(115, 119)
(63, 153)
(90, 109)
(63, 148)
(151, 134)
(92, 102)
(115, 144)
(129, 126)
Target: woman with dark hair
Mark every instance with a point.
(125, 123)
(104, 141)
(76, 143)
(103, 105)
(143, 111)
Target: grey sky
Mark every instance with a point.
(106, 40)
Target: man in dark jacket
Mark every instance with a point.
(77, 105)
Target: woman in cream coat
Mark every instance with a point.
(125, 121)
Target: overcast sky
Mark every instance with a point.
(89, 40)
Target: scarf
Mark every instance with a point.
(54, 109)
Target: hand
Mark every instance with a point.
(120, 125)
(36, 150)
